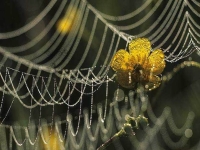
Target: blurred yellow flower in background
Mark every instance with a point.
(52, 140)
(64, 25)
(139, 65)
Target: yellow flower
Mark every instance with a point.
(64, 25)
(139, 65)
(51, 138)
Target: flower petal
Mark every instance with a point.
(154, 82)
(140, 48)
(122, 61)
(156, 62)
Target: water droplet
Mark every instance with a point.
(188, 133)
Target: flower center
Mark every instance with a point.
(139, 75)
(138, 69)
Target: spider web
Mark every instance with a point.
(58, 85)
